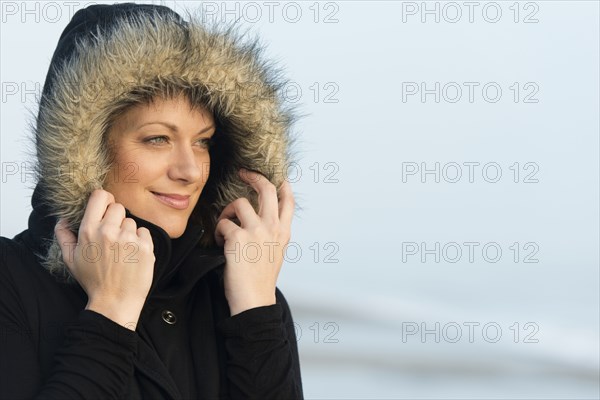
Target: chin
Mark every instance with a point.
(175, 235)
(173, 231)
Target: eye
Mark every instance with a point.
(207, 142)
(156, 139)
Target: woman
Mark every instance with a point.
(132, 279)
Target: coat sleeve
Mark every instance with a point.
(262, 353)
(95, 360)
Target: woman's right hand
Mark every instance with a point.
(111, 259)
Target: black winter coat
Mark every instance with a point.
(186, 344)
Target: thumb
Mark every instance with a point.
(67, 242)
(223, 231)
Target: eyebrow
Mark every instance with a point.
(172, 127)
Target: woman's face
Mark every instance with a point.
(161, 161)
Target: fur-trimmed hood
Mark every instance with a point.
(106, 54)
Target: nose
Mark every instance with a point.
(187, 165)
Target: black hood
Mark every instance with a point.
(89, 21)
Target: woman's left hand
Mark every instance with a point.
(254, 252)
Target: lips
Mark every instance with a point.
(177, 201)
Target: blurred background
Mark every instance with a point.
(448, 174)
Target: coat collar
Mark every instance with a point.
(172, 276)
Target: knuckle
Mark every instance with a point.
(108, 195)
(118, 206)
(237, 235)
(85, 231)
(147, 239)
(145, 236)
(105, 231)
(102, 194)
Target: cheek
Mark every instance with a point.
(137, 169)
(127, 173)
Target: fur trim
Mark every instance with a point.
(138, 54)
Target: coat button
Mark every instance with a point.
(169, 317)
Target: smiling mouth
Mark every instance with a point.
(180, 203)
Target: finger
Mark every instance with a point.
(114, 215)
(267, 193)
(67, 242)
(96, 207)
(242, 210)
(223, 231)
(145, 235)
(128, 224)
(286, 203)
